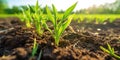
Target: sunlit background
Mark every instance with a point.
(83, 6)
(61, 4)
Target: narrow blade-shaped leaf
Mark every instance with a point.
(113, 50)
(46, 26)
(54, 11)
(37, 6)
(66, 24)
(104, 49)
(68, 11)
(50, 15)
(109, 47)
(31, 8)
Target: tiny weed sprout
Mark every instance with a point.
(60, 26)
(110, 51)
(34, 17)
(35, 47)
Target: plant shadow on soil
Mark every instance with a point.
(16, 41)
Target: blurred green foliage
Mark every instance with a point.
(108, 8)
(13, 10)
(3, 5)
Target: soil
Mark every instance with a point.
(80, 41)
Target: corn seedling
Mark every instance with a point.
(35, 47)
(60, 26)
(34, 17)
(110, 51)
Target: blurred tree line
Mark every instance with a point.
(113, 8)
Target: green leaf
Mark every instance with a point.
(60, 30)
(36, 6)
(109, 48)
(113, 50)
(68, 11)
(39, 29)
(55, 17)
(54, 12)
(27, 18)
(31, 8)
(50, 15)
(46, 26)
(104, 49)
(66, 23)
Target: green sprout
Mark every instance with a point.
(26, 17)
(39, 19)
(35, 47)
(34, 17)
(59, 26)
(110, 51)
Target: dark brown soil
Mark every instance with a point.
(81, 41)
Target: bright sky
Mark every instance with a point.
(61, 4)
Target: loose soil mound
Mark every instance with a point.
(81, 41)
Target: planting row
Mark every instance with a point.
(33, 17)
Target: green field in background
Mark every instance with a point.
(80, 17)
(7, 15)
(98, 17)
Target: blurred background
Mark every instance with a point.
(83, 6)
